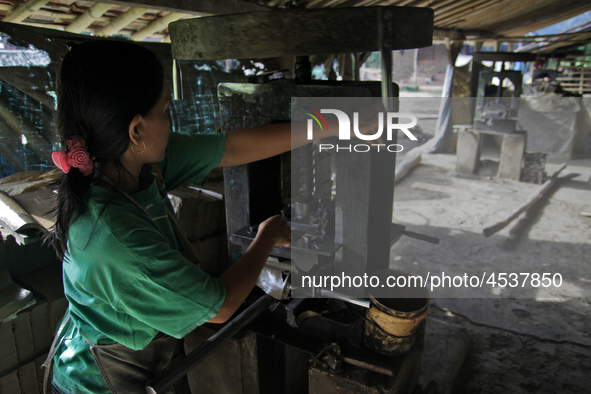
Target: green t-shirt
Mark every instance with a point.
(124, 276)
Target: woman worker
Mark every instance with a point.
(130, 288)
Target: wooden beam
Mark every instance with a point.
(262, 35)
(90, 15)
(125, 19)
(198, 7)
(53, 26)
(23, 11)
(156, 26)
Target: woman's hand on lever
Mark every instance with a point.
(277, 228)
(242, 276)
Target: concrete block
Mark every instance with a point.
(511, 158)
(468, 151)
(445, 348)
(232, 368)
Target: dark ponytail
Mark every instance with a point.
(101, 87)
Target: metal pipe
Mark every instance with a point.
(384, 22)
(170, 377)
(366, 365)
(355, 65)
(177, 80)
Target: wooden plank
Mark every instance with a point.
(199, 7)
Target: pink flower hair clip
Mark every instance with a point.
(77, 156)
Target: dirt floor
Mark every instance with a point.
(530, 340)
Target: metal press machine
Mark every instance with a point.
(309, 344)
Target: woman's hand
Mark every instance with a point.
(242, 276)
(276, 228)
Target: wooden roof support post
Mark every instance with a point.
(125, 19)
(156, 26)
(453, 50)
(83, 21)
(478, 46)
(23, 11)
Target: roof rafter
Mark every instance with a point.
(23, 11)
(90, 15)
(199, 7)
(123, 20)
(156, 26)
